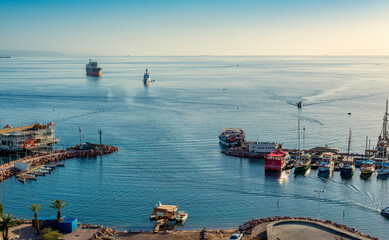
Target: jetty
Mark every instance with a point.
(79, 151)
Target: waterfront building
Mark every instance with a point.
(263, 147)
(31, 137)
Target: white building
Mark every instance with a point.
(262, 147)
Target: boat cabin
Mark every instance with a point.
(164, 212)
(276, 160)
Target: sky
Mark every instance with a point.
(200, 27)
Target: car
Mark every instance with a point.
(236, 236)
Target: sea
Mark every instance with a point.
(167, 134)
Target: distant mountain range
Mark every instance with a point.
(30, 53)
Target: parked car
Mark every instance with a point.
(236, 236)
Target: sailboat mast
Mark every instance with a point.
(298, 130)
(384, 126)
(366, 146)
(303, 138)
(349, 142)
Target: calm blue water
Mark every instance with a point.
(168, 136)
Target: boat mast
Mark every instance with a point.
(384, 125)
(349, 142)
(303, 138)
(366, 146)
(298, 130)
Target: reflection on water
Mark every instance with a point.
(383, 177)
(281, 177)
(326, 175)
(366, 177)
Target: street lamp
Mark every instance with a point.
(318, 206)
(100, 132)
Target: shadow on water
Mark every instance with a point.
(346, 177)
(383, 177)
(325, 175)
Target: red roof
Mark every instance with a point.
(51, 124)
(277, 153)
(8, 126)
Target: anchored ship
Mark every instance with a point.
(146, 78)
(92, 69)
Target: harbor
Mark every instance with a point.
(169, 150)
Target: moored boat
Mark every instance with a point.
(60, 164)
(38, 173)
(92, 69)
(29, 177)
(22, 179)
(182, 216)
(231, 137)
(347, 166)
(367, 168)
(382, 171)
(276, 160)
(303, 163)
(327, 163)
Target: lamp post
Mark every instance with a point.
(318, 206)
(100, 132)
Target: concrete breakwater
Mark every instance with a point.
(250, 225)
(89, 150)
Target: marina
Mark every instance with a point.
(169, 149)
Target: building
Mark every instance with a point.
(262, 147)
(31, 137)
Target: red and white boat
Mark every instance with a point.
(276, 160)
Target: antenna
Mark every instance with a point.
(349, 142)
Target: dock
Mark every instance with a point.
(91, 150)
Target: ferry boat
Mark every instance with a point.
(303, 163)
(231, 137)
(367, 168)
(327, 163)
(146, 77)
(347, 166)
(92, 69)
(276, 160)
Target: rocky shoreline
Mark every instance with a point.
(248, 227)
(91, 150)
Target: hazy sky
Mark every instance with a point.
(223, 27)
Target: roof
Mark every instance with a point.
(168, 208)
(277, 153)
(8, 126)
(21, 129)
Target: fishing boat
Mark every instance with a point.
(347, 165)
(385, 212)
(92, 69)
(38, 173)
(146, 78)
(182, 216)
(276, 160)
(22, 179)
(231, 137)
(382, 171)
(367, 168)
(327, 163)
(44, 170)
(60, 164)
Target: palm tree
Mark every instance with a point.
(58, 205)
(6, 221)
(35, 208)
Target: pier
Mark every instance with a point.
(89, 150)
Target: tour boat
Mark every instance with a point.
(327, 163)
(303, 163)
(231, 137)
(347, 166)
(385, 212)
(181, 216)
(146, 77)
(367, 168)
(92, 69)
(276, 160)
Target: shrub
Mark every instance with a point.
(50, 234)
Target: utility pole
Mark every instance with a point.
(100, 132)
(318, 206)
(80, 129)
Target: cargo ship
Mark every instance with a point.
(92, 69)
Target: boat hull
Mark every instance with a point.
(95, 72)
(326, 169)
(302, 168)
(383, 171)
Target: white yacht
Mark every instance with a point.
(146, 78)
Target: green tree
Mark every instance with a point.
(35, 208)
(1, 209)
(58, 204)
(49, 234)
(6, 222)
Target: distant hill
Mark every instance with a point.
(30, 53)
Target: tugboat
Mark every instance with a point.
(146, 78)
(92, 69)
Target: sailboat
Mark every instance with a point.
(383, 145)
(347, 166)
(304, 160)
